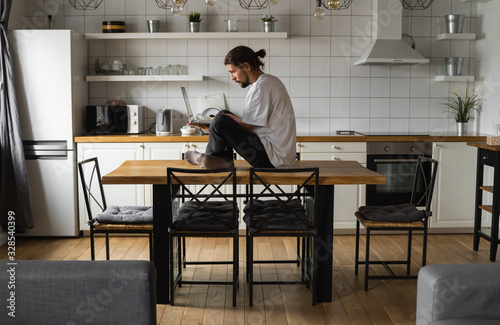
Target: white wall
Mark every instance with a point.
(488, 63)
(315, 62)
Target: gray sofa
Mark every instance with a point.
(78, 292)
(459, 294)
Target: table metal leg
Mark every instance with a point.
(479, 200)
(161, 202)
(323, 250)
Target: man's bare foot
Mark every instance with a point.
(211, 162)
(191, 157)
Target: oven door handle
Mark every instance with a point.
(394, 160)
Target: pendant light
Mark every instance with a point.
(335, 4)
(416, 4)
(175, 6)
(210, 3)
(254, 4)
(85, 4)
(319, 13)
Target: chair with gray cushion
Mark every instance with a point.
(275, 210)
(78, 292)
(111, 219)
(208, 210)
(403, 217)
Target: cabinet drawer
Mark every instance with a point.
(333, 147)
(359, 157)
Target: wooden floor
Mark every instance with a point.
(386, 302)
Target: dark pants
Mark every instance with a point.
(226, 134)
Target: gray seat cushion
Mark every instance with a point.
(211, 216)
(266, 216)
(81, 292)
(126, 215)
(467, 322)
(392, 213)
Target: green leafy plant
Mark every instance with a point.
(268, 18)
(463, 106)
(194, 17)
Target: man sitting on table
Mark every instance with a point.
(265, 134)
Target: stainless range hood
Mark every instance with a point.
(387, 47)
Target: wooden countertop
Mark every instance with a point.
(155, 172)
(483, 145)
(139, 138)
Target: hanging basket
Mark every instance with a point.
(85, 4)
(416, 4)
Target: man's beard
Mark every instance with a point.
(244, 84)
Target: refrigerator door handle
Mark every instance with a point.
(34, 150)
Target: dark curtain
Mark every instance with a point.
(15, 197)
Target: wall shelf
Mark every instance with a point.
(201, 35)
(146, 78)
(455, 78)
(456, 36)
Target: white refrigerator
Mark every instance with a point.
(49, 70)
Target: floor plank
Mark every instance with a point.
(386, 301)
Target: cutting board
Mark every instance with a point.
(213, 100)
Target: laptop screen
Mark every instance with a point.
(188, 105)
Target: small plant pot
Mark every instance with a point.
(462, 128)
(268, 26)
(194, 27)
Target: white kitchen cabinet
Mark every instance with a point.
(454, 192)
(347, 198)
(110, 156)
(167, 151)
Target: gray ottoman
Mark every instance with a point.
(459, 294)
(78, 292)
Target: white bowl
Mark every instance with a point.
(187, 130)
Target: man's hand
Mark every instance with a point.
(234, 117)
(238, 119)
(204, 127)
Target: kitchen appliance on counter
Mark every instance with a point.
(119, 119)
(397, 162)
(164, 123)
(51, 92)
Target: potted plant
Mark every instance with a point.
(461, 106)
(268, 23)
(194, 18)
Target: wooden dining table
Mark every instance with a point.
(331, 173)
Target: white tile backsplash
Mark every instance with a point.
(315, 62)
(320, 107)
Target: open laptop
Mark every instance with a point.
(206, 119)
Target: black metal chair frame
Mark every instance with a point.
(400, 226)
(183, 192)
(306, 189)
(100, 200)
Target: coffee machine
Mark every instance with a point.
(164, 123)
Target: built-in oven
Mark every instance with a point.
(397, 162)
